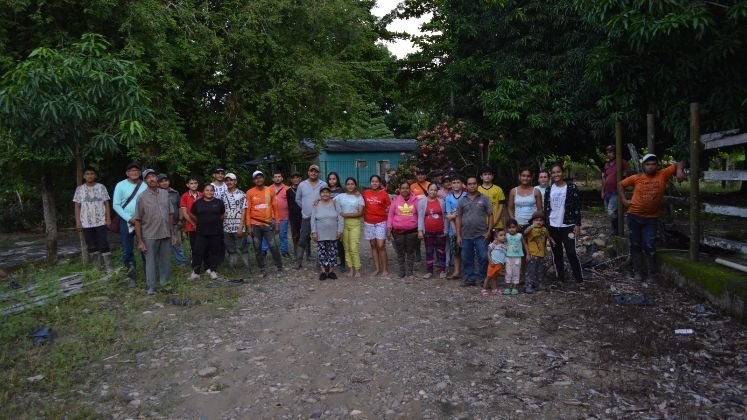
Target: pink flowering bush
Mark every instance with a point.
(450, 144)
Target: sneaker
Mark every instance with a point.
(468, 284)
(332, 275)
(213, 274)
(322, 276)
(506, 291)
(427, 275)
(151, 292)
(514, 292)
(442, 275)
(194, 276)
(528, 290)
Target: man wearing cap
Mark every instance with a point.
(643, 211)
(124, 201)
(609, 187)
(165, 183)
(306, 197)
(153, 218)
(220, 186)
(234, 201)
(294, 210)
(261, 209)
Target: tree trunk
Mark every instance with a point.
(84, 257)
(50, 217)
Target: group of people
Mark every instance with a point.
(467, 226)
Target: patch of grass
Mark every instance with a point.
(712, 277)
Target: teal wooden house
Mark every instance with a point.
(360, 158)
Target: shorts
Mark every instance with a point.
(494, 270)
(455, 250)
(374, 231)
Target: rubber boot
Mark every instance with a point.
(299, 257)
(613, 226)
(96, 259)
(232, 262)
(637, 261)
(130, 269)
(106, 259)
(652, 268)
(248, 266)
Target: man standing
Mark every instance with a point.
(473, 225)
(261, 209)
(185, 206)
(126, 193)
(218, 183)
(234, 200)
(494, 194)
(306, 196)
(165, 183)
(92, 216)
(643, 211)
(609, 187)
(451, 203)
(153, 219)
(281, 198)
(294, 212)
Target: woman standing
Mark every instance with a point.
(206, 215)
(403, 228)
(543, 180)
(351, 209)
(563, 211)
(524, 200)
(432, 230)
(335, 189)
(376, 208)
(326, 230)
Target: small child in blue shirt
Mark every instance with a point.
(514, 255)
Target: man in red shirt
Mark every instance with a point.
(281, 200)
(609, 187)
(185, 206)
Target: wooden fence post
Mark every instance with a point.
(619, 177)
(694, 181)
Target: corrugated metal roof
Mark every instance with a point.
(370, 145)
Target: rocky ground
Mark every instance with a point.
(295, 347)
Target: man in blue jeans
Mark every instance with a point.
(473, 225)
(124, 201)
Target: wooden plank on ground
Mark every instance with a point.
(725, 175)
(726, 210)
(708, 137)
(726, 142)
(727, 244)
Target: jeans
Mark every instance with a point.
(177, 249)
(266, 234)
(283, 237)
(157, 261)
(96, 240)
(642, 234)
(470, 247)
(534, 271)
(128, 243)
(610, 204)
(565, 238)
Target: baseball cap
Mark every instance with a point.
(650, 156)
(162, 176)
(148, 172)
(218, 169)
(447, 177)
(295, 174)
(133, 165)
(610, 148)
(256, 174)
(314, 167)
(232, 176)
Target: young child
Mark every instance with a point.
(496, 262)
(536, 237)
(514, 254)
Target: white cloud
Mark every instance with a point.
(400, 47)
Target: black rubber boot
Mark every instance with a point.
(637, 260)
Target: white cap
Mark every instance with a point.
(649, 156)
(255, 173)
(232, 176)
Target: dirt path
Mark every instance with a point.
(295, 347)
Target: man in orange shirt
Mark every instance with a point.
(260, 210)
(643, 211)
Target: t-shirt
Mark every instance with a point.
(186, 203)
(474, 213)
(514, 246)
(419, 189)
(537, 241)
(306, 195)
(349, 203)
(497, 253)
(234, 203)
(153, 210)
(91, 200)
(260, 206)
(281, 199)
(648, 192)
(557, 203)
(208, 216)
(496, 197)
(377, 204)
(294, 210)
(451, 204)
(219, 190)
(434, 221)
(610, 176)
(122, 191)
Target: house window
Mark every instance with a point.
(361, 164)
(383, 167)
